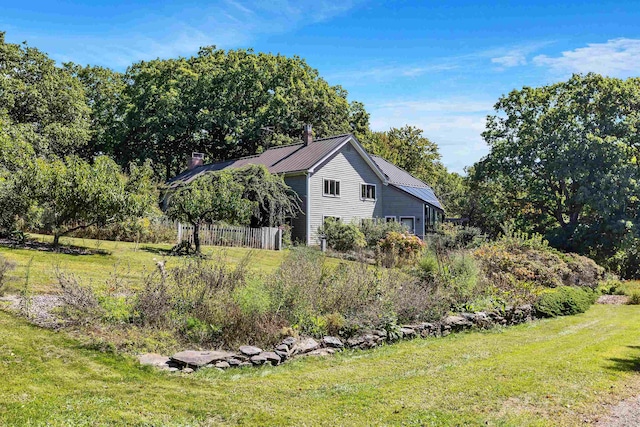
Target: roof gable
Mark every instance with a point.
(285, 159)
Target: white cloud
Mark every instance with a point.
(512, 59)
(454, 124)
(226, 24)
(617, 57)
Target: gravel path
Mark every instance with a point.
(39, 310)
(613, 299)
(624, 414)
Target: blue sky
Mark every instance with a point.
(437, 65)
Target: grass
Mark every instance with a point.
(130, 261)
(553, 372)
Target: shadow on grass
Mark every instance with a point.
(157, 251)
(629, 364)
(49, 247)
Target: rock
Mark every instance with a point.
(243, 364)
(173, 369)
(408, 332)
(355, 341)
(187, 371)
(283, 347)
(234, 362)
(258, 359)
(197, 359)
(222, 365)
(249, 350)
(380, 333)
(306, 345)
(153, 359)
(284, 355)
(321, 352)
(457, 323)
(332, 342)
(271, 357)
(289, 342)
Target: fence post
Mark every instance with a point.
(179, 232)
(279, 239)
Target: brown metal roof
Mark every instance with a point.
(283, 159)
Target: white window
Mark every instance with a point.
(332, 217)
(390, 219)
(409, 222)
(331, 188)
(368, 191)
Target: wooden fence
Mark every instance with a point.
(246, 237)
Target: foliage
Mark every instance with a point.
(397, 249)
(634, 298)
(152, 228)
(375, 230)
(565, 301)
(563, 162)
(273, 200)
(342, 237)
(220, 103)
(449, 236)
(44, 104)
(80, 303)
(210, 198)
(73, 194)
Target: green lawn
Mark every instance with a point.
(552, 372)
(130, 261)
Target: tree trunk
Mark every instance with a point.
(56, 239)
(196, 236)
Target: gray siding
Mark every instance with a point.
(298, 183)
(397, 203)
(348, 167)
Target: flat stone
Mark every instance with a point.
(380, 333)
(284, 355)
(408, 332)
(198, 359)
(333, 342)
(271, 357)
(306, 345)
(234, 362)
(283, 347)
(289, 341)
(222, 364)
(172, 369)
(258, 359)
(187, 371)
(154, 359)
(243, 364)
(250, 350)
(321, 352)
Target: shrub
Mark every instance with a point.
(399, 249)
(375, 230)
(79, 303)
(634, 298)
(451, 236)
(564, 300)
(5, 267)
(342, 237)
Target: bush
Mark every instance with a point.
(564, 301)
(79, 303)
(342, 237)
(154, 229)
(634, 298)
(451, 236)
(375, 230)
(399, 249)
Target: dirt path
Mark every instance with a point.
(624, 414)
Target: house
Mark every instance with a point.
(335, 177)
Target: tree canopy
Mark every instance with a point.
(564, 161)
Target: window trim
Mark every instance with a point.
(414, 223)
(335, 196)
(336, 217)
(375, 186)
(392, 217)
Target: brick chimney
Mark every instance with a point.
(307, 134)
(196, 159)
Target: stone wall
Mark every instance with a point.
(190, 360)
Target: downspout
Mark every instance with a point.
(308, 216)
